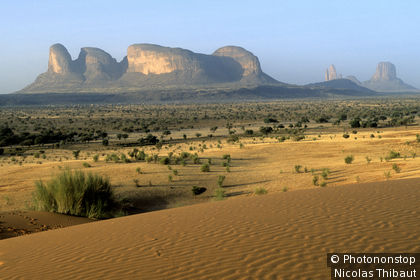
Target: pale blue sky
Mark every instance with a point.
(294, 40)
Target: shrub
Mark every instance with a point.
(136, 182)
(105, 142)
(76, 193)
(1, 151)
(260, 191)
(198, 190)
(205, 168)
(232, 139)
(315, 180)
(387, 174)
(323, 184)
(345, 135)
(96, 158)
(220, 180)
(195, 159)
(368, 159)
(219, 194)
(325, 173)
(227, 157)
(349, 159)
(297, 168)
(285, 189)
(76, 154)
(396, 168)
(355, 123)
(266, 129)
(138, 170)
(392, 155)
(86, 165)
(164, 160)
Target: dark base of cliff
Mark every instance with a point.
(260, 93)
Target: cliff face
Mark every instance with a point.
(152, 59)
(385, 79)
(147, 66)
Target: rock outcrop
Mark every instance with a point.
(59, 61)
(249, 62)
(385, 79)
(385, 71)
(330, 73)
(97, 65)
(148, 66)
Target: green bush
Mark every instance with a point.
(348, 159)
(315, 180)
(96, 158)
(325, 173)
(219, 194)
(220, 180)
(76, 193)
(164, 160)
(205, 168)
(260, 191)
(297, 168)
(392, 155)
(396, 168)
(86, 165)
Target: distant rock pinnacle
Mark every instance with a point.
(331, 73)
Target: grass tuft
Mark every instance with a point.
(76, 193)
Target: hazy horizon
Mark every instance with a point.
(294, 40)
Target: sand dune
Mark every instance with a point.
(276, 236)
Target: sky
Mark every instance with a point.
(295, 41)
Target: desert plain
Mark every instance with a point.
(274, 204)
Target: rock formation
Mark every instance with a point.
(97, 65)
(385, 71)
(148, 66)
(59, 61)
(385, 79)
(330, 73)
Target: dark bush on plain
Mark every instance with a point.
(198, 190)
